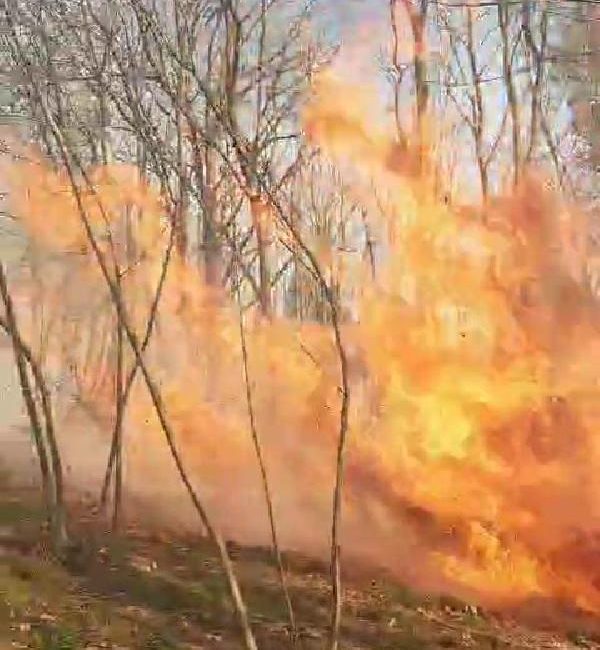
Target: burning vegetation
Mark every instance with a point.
(442, 384)
(472, 455)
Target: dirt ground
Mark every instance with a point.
(142, 590)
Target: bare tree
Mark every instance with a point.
(43, 434)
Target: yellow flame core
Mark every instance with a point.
(473, 441)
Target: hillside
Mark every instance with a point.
(142, 590)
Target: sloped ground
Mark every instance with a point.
(141, 591)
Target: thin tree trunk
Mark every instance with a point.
(52, 486)
(119, 416)
(128, 384)
(537, 54)
(262, 466)
(417, 18)
(336, 578)
(477, 107)
(59, 528)
(182, 204)
(511, 94)
(256, 205)
(398, 72)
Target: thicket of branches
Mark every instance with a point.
(204, 96)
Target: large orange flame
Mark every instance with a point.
(474, 459)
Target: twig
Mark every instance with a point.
(52, 483)
(263, 468)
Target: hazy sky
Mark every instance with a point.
(360, 26)
(346, 16)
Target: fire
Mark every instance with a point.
(485, 407)
(474, 461)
